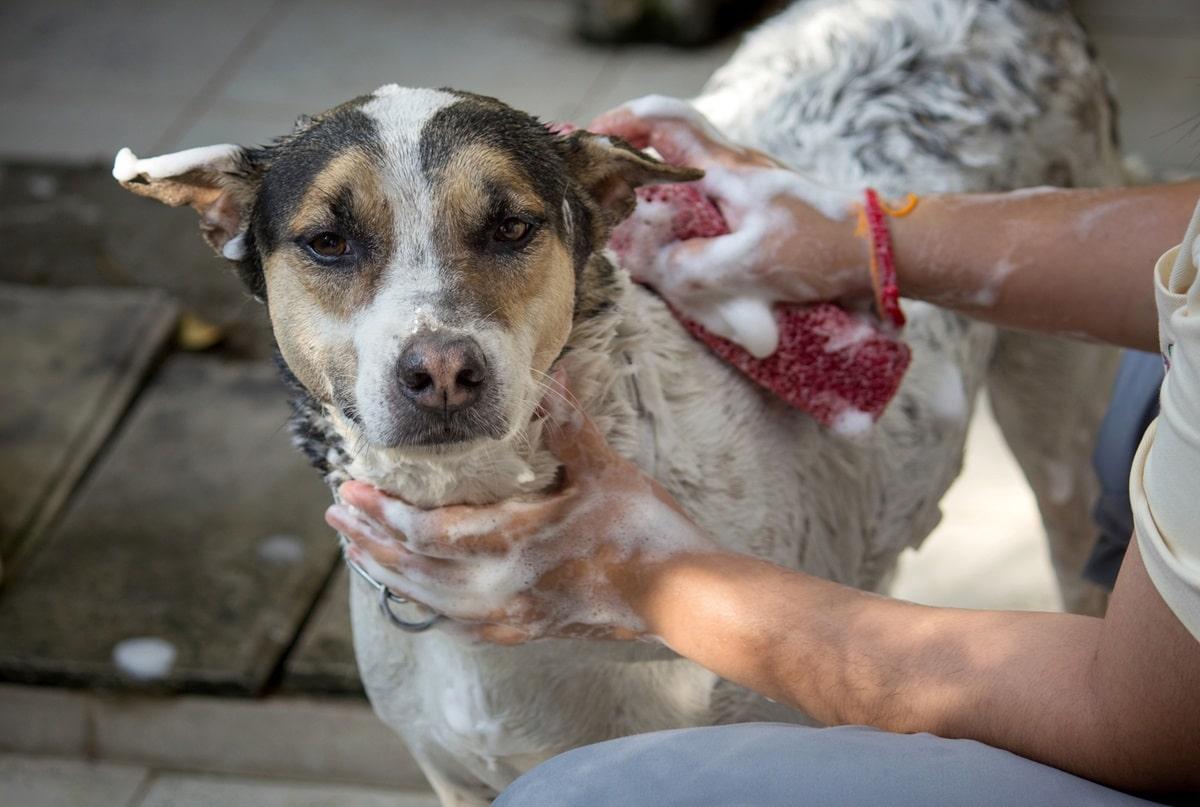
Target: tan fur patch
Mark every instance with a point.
(353, 174)
(301, 323)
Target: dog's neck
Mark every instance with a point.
(598, 358)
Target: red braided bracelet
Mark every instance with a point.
(883, 260)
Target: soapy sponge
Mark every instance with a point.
(840, 367)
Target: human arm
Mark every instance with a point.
(612, 556)
(1067, 261)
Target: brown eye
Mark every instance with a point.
(329, 245)
(512, 229)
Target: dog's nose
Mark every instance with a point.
(442, 373)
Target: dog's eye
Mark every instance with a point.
(329, 245)
(511, 229)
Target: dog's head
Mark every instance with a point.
(422, 253)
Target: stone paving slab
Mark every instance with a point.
(200, 531)
(27, 781)
(322, 662)
(67, 226)
(171, 790)
(71, 360)
(285, 737)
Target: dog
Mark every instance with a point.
(427, 257)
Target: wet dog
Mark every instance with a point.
(428, 256)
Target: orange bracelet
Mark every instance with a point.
(872, 225)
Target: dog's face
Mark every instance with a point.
(420, 252)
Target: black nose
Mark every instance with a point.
(442, 373)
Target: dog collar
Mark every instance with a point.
(386, 598)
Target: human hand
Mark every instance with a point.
(790, 239)
(569, 564)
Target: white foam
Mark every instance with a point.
(861, 331)
(281, 549)
(223, 157)
(751, 323)
(852, 422)
(144, 658)
(1036, 190)
(235, 248)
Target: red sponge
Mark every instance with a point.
(840, 367)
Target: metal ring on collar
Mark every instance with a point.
(386, 598)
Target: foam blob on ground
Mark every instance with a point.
(281, 549)
(144, 658)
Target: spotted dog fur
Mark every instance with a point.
(912, 95)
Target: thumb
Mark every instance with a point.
(570, 434)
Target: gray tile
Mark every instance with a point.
(522, 52)
(237, 122)
(647, 69)
(1166, 18)
(79, 79)
(168, 533)
(44, 720)
(328, 739)
(323, 658)
(71, 359)
(75, 226)
(82, 126)
(207, 791)
(46, 782)
(161, 48)
(1156, 86)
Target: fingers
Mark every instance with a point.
(678, 140)
(453, 532)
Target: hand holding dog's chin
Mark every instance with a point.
(574, 564)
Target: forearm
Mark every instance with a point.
(1014, 680)
(1073, 262)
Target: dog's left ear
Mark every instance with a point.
(609, 169)
(220, 182)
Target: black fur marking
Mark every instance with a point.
(294, 161)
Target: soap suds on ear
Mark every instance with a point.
(145, 658)
(235, 248)
(127, 166)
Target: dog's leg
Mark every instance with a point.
(1049, 396)
(453, 790)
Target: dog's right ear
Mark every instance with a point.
(220, 182)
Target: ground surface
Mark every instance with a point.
(248, 595)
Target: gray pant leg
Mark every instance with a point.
(774, 764)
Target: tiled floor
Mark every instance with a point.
(33, 781)
(78, 79)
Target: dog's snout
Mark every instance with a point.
(442, 373)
